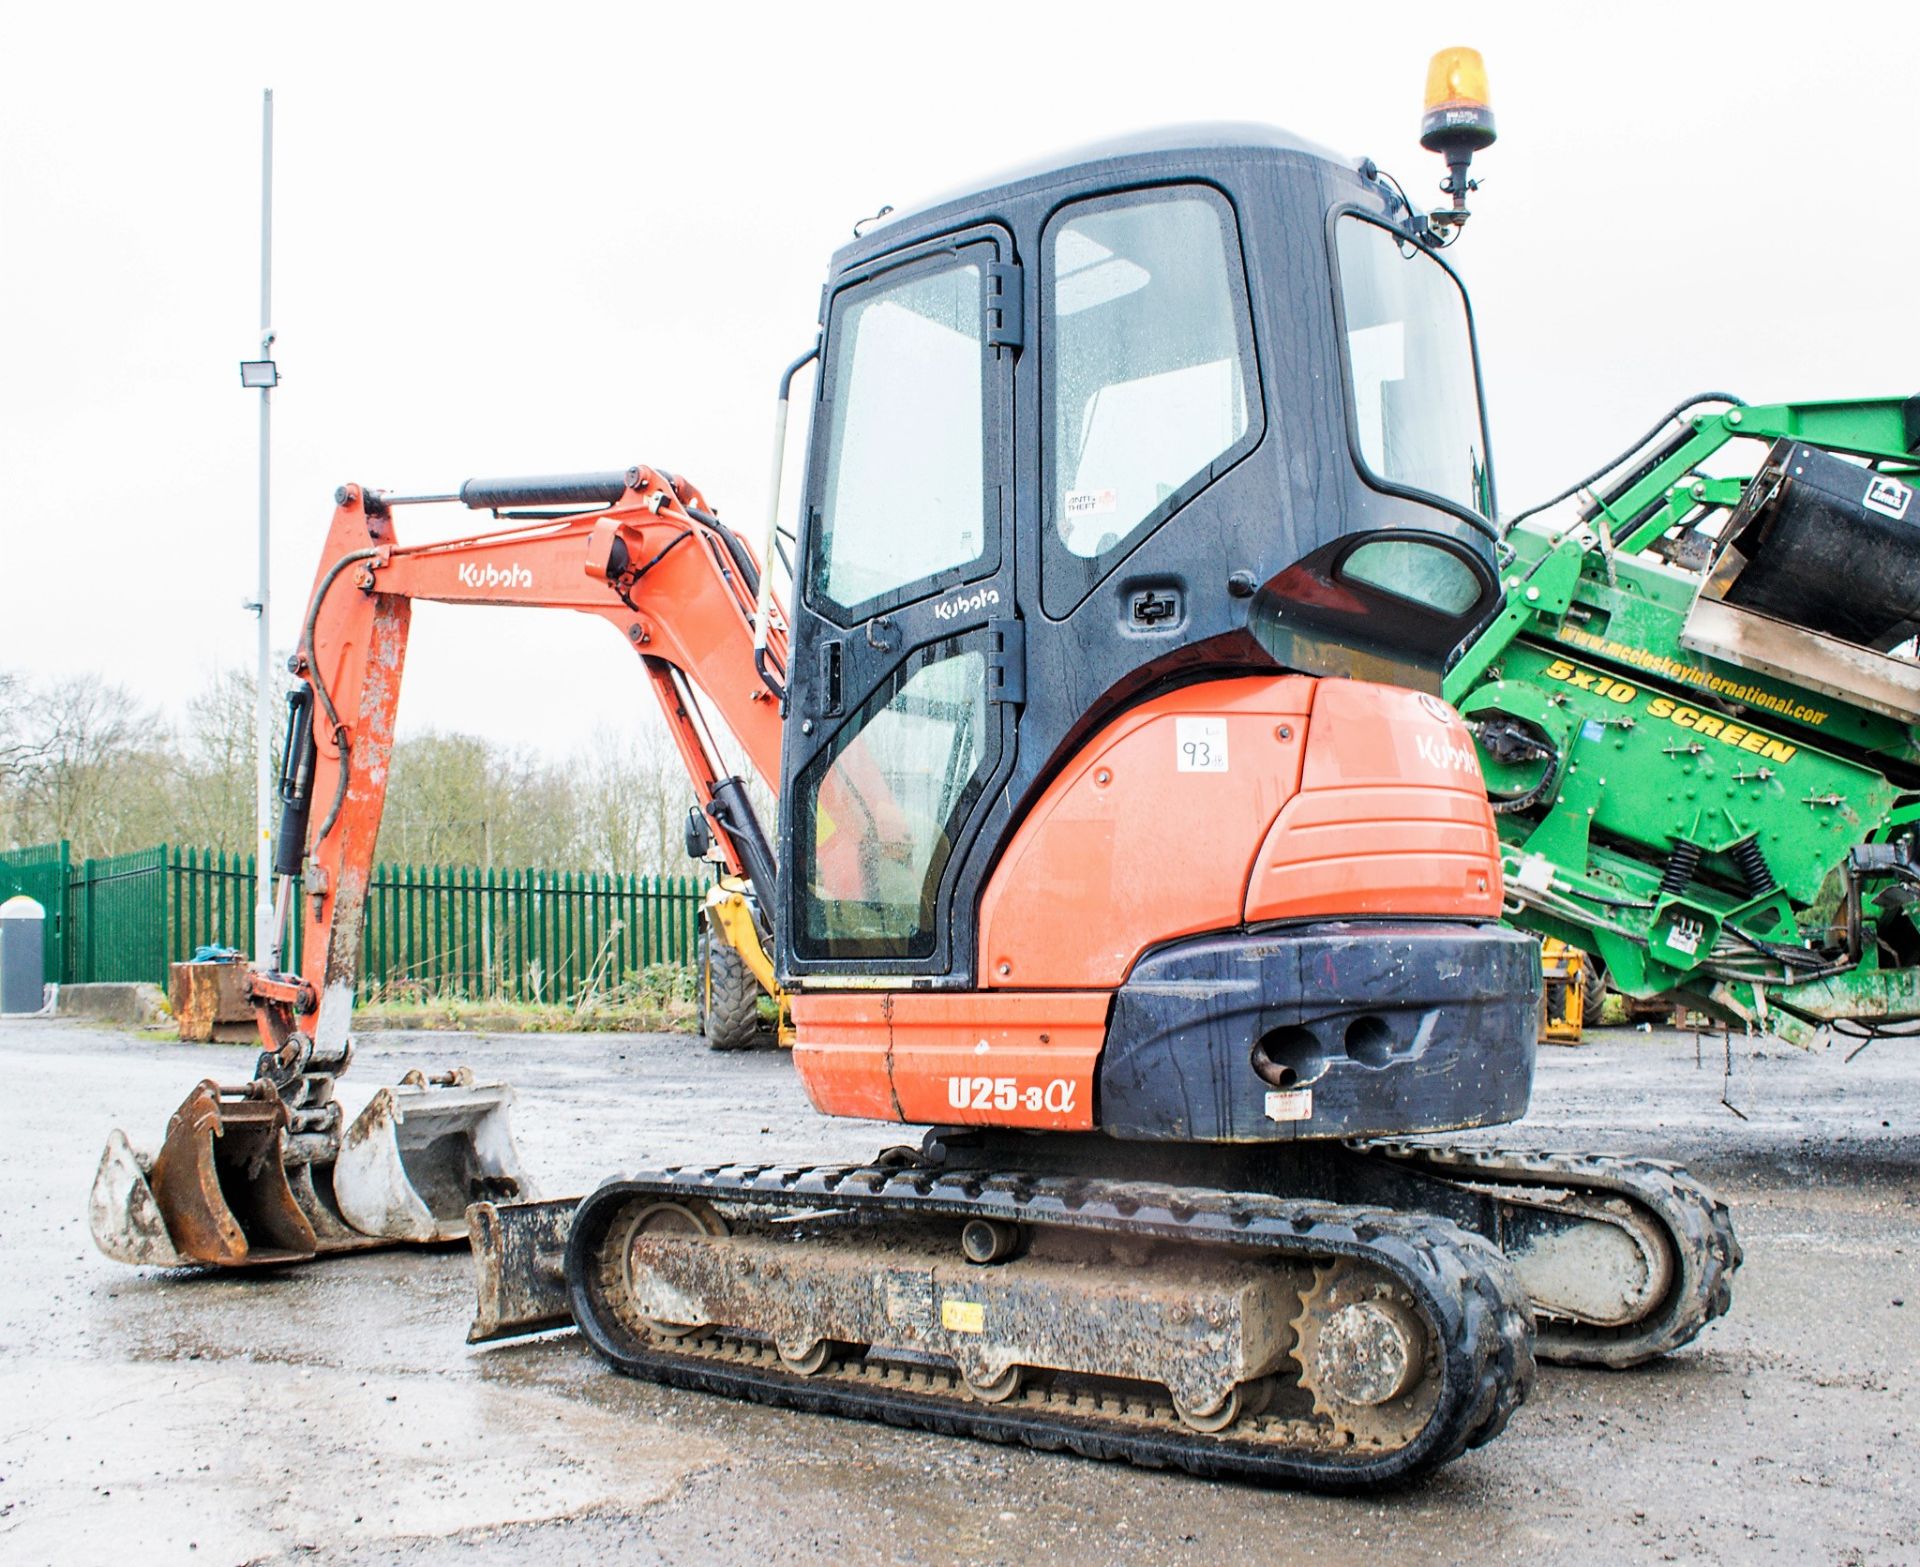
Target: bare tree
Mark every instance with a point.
(460, 800)
(18, 746)
(214, 762)
(18, 750)
(80, 759)
(632, 804)
(91, 765)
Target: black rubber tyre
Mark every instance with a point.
(729, 998)
(1593, 990)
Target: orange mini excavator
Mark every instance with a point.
(1122, 846)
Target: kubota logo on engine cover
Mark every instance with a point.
(509, 576)
(1438, 752)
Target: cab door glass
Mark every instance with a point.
(905, 491)
(1147, 367)
(887, 801)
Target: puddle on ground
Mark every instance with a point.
(217, 1462)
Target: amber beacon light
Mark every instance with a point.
(1457, 124)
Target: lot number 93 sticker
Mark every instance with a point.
(1200, 745)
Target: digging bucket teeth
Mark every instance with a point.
(217, 1193)
(420, 1153)
(244, 1180)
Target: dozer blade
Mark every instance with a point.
(217, 1193)
(519, 1267)
(419, 1154)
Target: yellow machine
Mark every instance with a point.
(736, 970)
(1563, 1001)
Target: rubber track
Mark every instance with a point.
(1697, 1225)
(1462, 1284)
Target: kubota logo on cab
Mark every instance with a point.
(960, 604)
(508, 576)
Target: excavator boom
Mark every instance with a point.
(264, 1172)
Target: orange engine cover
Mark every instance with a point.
(1139, 841)
(1257, 798)
(1391, 818)
(1241, 801)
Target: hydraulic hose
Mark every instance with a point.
(1604, 469)
(320, 685)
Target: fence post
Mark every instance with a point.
(66, 893)
(165, 924)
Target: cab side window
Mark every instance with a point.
(1148, 371)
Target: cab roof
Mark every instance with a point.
(1172, 149)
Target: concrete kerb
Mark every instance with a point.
(132, 1005)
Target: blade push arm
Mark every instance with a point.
(649, 558)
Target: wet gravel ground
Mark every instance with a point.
(332, 1412)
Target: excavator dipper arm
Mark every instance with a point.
(642, 551)
(654, 563)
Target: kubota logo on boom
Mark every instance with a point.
(508, 576)
(1443, 754)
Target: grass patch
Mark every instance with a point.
(660, 999)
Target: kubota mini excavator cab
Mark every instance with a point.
(1084, 870)
(1081, 462)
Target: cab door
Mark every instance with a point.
(905, 669)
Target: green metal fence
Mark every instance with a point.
(526, 934)
(116, 918)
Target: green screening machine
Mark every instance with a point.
(1698, 713)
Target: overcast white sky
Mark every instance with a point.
(533, 238)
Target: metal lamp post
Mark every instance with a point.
(263, 375)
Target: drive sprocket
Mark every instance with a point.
(1362, 1351)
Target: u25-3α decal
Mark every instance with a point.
(1009, 1093)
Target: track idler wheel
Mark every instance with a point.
(1209, 1421)
(692, 1218)
(808, 1360)
(984, 1241)
(995, 1390)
